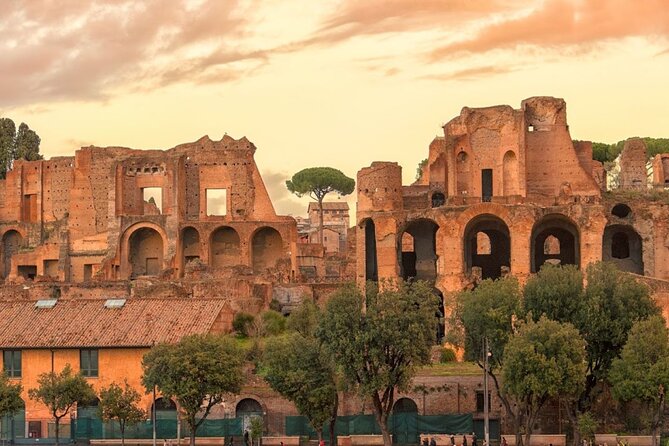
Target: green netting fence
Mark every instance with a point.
(94, 428)
(405, 427)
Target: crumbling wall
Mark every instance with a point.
(633, 160)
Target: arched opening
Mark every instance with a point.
(463, 177)
(11, 242)
(89, 423)
(510, 173)
(562, 249)
(622, 245)
(267, 248)
(621, 210)
(145, 252)
(247, 409)
(419, 259)
(224, 246)
(14, 425)
(190, 245)
(371, 265)
(493, 258)
(438, 199)
(405, 405)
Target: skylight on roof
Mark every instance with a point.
(46, 303)
(114, 303)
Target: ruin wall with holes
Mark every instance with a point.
(504, 191)
(196, 213)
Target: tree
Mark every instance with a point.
(120, 403)
(14, 145)
(379, 348)
(318, 182)
(10, 397)
(59, 392)
(197, 372)
(488, 312)
(419, 169)
(543, 360)
(297, 366)
(642, 371)
(556, 291)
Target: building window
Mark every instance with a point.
(12, 363)
(89, 363)
(480, 402)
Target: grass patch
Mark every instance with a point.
(451, 369)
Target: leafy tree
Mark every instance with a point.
(59, 392)
(242, 322)
(197, 372)
(317, 182)
(642, 371)
(543, 360)
(304, 319)
(273, 322)
(488, 312)
(21, 144)
(120, 403)
(419, 169)
(379, 346)
(555, 291)
(10, 396)
(256, 427)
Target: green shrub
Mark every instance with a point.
(273, 322)
(447, 355)
(242, 323)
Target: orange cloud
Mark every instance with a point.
(472, 73)
(569, 23)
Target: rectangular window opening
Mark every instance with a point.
(217, 201)
(89, 362)
(12, 363)
(27, 271)
(480, 402)
(153, 200)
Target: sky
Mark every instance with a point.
(325, 83)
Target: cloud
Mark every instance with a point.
(77, 50)
(472, 73)
(571, 25)
(284, 202)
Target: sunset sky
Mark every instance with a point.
(332, 83)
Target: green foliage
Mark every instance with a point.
(487, 311)
(120, 403)
(59, 392)
(556, 292)
(10, 396)
(197, 372)
(587, 426)
(378, 348)
(317, 182)
(274, 323)
(608, 152)
(297, 367)
(275, 305)
(256, 429)
(304, 319)
(447, 355)
(21, 144)
(242, 323)
(419, 169)
(655, 146)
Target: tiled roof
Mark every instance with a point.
(329, 205)
(87, 323)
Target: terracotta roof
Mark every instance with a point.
(87, 323)
(329, 205)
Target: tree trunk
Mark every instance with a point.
(333, 419)
(381, 418)
(57, 426)
(572, 414)
(320, 218)
(121, 426)
(193, 428)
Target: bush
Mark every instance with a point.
(273, 322)
(242, 323)
(447, 355)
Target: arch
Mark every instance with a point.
(14, 425)
(89, 423)
(495, 261)
(421, 261)
(622, 245)
(510, 174)
(267, 248)
(438, 199)
(224, 247)
(12, 240)
(552, 245)
(246, 409)
(567, 235)
(621, 210)
(462, 166)
(371, 264)
(145, 252)
(482, 243)
(405, 405)
(190, 244)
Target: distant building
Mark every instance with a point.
(335, 225)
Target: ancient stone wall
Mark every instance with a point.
(633, 160)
